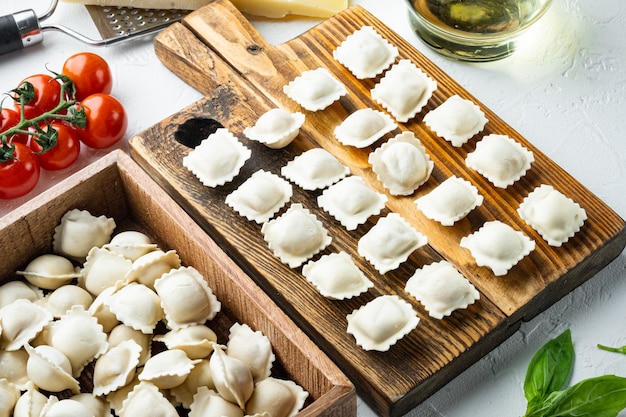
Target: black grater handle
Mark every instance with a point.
(19, 30)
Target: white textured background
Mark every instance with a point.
(564, 90)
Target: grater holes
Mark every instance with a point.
(112, 21)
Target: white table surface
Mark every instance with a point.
(564, 90)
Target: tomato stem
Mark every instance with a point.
(66, 110)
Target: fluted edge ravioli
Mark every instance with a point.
(351, 201)
(456, 120)
(390, 242)
(314, 169)
(218, 159)
(364, 127)
(336, 276)
(260, 196)
(315, 89)
(365, 53)
(186, 298)
(450, 201)
(401, 164)
(441, 289)
(498, 246)
(276, 128)
(553, 215)
(404, 90)
(79, 231)
(500, 159)
(295, 236)
(379, 324)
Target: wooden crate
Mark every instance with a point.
(217, 51)
(116, 187)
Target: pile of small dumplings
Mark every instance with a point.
(66, 329)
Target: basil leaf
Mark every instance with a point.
(603, 396)
(550, 368)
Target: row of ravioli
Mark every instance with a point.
(402, 164)
(80, 335)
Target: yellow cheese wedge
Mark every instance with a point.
(147, 4)
(282, 8)
(265, 8)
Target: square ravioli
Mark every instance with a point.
(260, 196)
(218, 159)
(441, 289)
(365, 53)
(296, 236)
(553, 215)
(379, 324)
(315, 89)
(401, 164)
(390, 242)
(498, 246)
(404, 90)
(364, 127)
(456, 120)
(336, 276)
(351, 202)
(500, 159)
(314, 169)
(450, 201)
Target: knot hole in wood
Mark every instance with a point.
(255, 49)
(194, 131)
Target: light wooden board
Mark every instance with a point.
(217, 51)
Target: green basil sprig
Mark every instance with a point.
(547, 395)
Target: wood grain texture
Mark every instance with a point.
(117, 187)
(218, 52)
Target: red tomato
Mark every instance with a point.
(47, 95)
(19, 175)
(89, 72)
(106, 121)
(10, 118)
(64, 153)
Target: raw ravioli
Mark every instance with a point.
(366, 53)
(552, 214)
(456, 120)
(390, 242)
(404, 90)
(441, 289)
(401, 164)
(380, 323)
(498, 246)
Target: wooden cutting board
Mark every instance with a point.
(217, 51)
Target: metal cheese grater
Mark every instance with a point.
(115, 24)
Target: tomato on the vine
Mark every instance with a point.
(90, 73)
(106, 121)
(60, 154)
(10, 118)
(19, 170)
(47, 95)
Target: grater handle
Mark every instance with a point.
(19, 30)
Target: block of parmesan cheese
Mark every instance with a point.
(265, 8)
(147, 4)
(282, 8)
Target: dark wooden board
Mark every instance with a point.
(216, 50)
